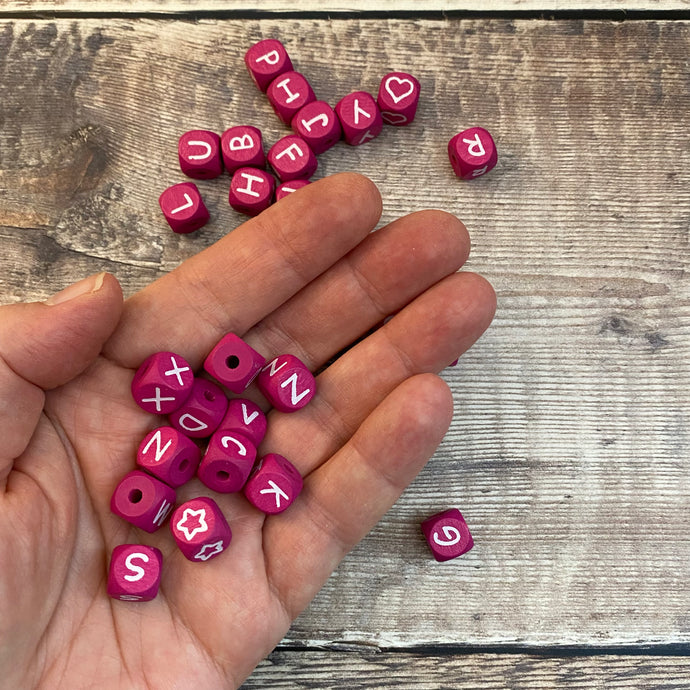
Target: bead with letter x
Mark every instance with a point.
(157, 399)
(176, 371)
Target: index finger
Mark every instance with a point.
(248, 273)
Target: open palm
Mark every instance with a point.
(306, 277)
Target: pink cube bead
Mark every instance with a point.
(247, 418)
(287, 383)
(199, 154)
(162, 383)
(234, 363)
(318, 125)
(168, 454)
(360, 117)
(286, 188)
(251, 190)
(266, 60)
(200, 529)
(288, 93)
(447, 534)
(472, 153)
(273, 485)
(242, 147)
(398, 98)
(142, 500)
(183, 208)
(292, 159)
(203, 410)
(227, 462)
(135, 572)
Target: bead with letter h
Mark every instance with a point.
(318, 125)
(199, 154)
(288, 94)
(142, 500)
(398, 98)
(162, 383)
(203, 410)
(251, 191)
(242, 147)
(183, 208)
(287, 383)
(360, 117)
(200, 529)
(447, 535)
(292, 159)
(135, 572)
(472, 153)
(273, 485)
(266, 60)
(168, 454)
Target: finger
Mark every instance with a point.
(45, 344)
(424, 337)
(377, 278)
(249, 273)
(347, 496)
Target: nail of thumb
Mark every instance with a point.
(82, 287)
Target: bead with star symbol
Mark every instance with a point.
(162, 383)
(200, 529)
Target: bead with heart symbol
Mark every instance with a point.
(398, 98)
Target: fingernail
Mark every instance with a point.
(82, 287)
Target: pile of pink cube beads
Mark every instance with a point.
(169, 456)
(356, 118)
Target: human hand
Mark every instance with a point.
(305, 277)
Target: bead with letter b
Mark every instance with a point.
(142, 500)
(199, 154)
(169, 455)
(251, 191)
(242, 147)
(472, 153)
(292, 159)
(200, 529)
(447, 535)
(234, 363)
(398, 98)
(135, 572)
(203, 410)
(183, 207)
(266, 60)
(287, 383)
(360, 117)
(273, 485)
(162, 383)
(227, 462)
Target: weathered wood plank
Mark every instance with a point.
(569, 448)
(363, 671)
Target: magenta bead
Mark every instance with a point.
(199, 154)
(288, 93)
(183, 208)
(292, 159)
(162, 383)
(287, 383)
(200, 529)
(227, 462)
(135, 572)
(472, 153)
(318, 125)
(286, 188)
(360, 117)
(234, 363)
(266, 60)
(169, 455)
(203, 410)
(447, 534)
(273, 485)
(398, 98)
(247, 418)
(242, 147)
(251, 191)
(142, 500)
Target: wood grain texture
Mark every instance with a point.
(568, 453)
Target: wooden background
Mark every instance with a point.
(568, 453)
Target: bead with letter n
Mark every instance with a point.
(287, 383)
(168, 454)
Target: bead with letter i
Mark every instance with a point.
(168, 454)
(135, 572)
(162, 383)
(472, 153)
(142, 500)
(288, 94)
(227, 462)
(447, 534)
(199, 154)
(287, 383)
(360, 117)
(203, 410)
(273, 484)
(200, 529)
(398, 98)
(292, 159)
(242, 147)
(183, 208)
(251, 191)
(266, 60)
(234, 363)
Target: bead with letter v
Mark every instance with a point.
(247, 418)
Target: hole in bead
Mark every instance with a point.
(232, 362)
(222, 475)
(209, 396)
(182, 467)
(135, 495)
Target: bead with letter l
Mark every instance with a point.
(447, 534)
(183, 207)
(273, 484)
(135, 572)
(143, 500)
(472, 153)
(200, 529)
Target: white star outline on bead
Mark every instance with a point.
(214, 549)
(186, 515)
